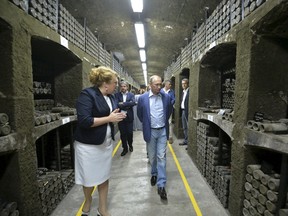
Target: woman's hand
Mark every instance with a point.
(117, 116)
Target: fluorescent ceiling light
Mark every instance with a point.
(142, 53)
(137, 5)
(139, 28)
(144, 66)
(145, 76)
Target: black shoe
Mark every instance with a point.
(131, 148)
(186, 148)
(153, 180)
(162, 193)
(124, 152)
(98, 213)
(181, 144)
(85, 213)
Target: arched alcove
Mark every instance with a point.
(217, 73)
(58, 67)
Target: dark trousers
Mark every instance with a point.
(185, 127)
(126, 133)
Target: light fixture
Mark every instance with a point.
(142, 53)
(144, 66)
(137, 5)
(145, 76)
(139, 28)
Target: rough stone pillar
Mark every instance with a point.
(177, 111)
(193, 106)
(240, 156)
(24, 108)
(20, 177)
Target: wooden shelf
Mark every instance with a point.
(270, 141)
(226, 126)
(15, 141)
(43, 129)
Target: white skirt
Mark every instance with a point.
(93, 163)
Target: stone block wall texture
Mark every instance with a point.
(17, 31)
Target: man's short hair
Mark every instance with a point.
(185, 79)
(153, 77)
(167, 81)
(124, 83)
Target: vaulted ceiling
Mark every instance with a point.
(168, 26)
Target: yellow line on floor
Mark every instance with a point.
(188, 189)
(114, 152)
(116, 148)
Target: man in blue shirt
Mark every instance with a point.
(167, 89)
(154, 109)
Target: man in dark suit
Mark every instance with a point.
(125, 101)
(167, 89)
(184, 109)
(154, 109)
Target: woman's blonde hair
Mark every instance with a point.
(101, 74)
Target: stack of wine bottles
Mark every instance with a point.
(5, 128)
(8, 208)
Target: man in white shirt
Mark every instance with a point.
(125, 101)
(184, 109)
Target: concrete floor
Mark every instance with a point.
(130, 192)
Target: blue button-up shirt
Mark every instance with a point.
(156, 110)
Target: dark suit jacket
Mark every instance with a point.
(90, 104)
(171, 93)
(143, 113)
(126, 106)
